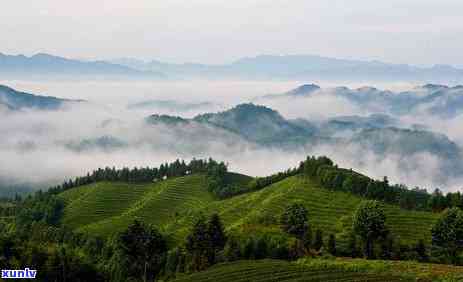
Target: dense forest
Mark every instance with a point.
(32, 233)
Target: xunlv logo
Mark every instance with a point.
(15, 274)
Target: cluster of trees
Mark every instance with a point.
(262, 182)
(217, 181)
(295, 222)
(332, 177)
(222, 186)
(139, 175)
(369, 236)
(447, 234)
(369, 224)
(37, 238)
(55, 252)
(43, 207)
(141, 252)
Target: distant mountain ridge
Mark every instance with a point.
(263, 67)
(302, 67)
(435, 99)
(45, 65)
(15, 100)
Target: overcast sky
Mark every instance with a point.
(216, 31)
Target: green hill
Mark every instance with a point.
(274, 270)
(108, 207)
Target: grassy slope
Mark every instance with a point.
(105, 208)
(168, 204)
(274, 270)
(416, 270)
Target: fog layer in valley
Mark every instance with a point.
(110, 129)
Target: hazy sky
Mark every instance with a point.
(217, 31)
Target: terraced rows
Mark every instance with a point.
(168, 205)
(328, 210)
(272, 270)
(172, 205)
(95, 202)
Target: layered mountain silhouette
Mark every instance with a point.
(301, 67)
(434, 99)
(15, 100)
(295, 67)
(48, 66)
(377, 133)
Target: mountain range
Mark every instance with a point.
(433, 99)
(301, 67)
(252, 126)
(43, 66)
(264, 126)
(13, 100)
(263, 67)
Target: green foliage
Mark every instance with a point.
(232, 250)
(275, 270)
(142, 248)
(307, 239)
(42, 207)
(262, 182)
(205, 240)
(332, 244)
(332, 177)
(388, 270)
(141, 175)
(106, 208)
(353, 249)
(294, 220)
(176, 204)
(420, 249)
(261, 248)
(55, 261)
(224, 184)
(174, 262)
(198, 246)
(369, 222)
(448, 232)
(217, 237)
(173, 205)
(318, 242)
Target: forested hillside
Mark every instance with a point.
(198, 214)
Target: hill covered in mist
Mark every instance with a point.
(256, 138)
(14, 100)
(433, 99)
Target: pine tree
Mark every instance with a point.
(353, 248)
(232, 250)
(143, 246)
(332, 244)
(318, 243)
(198, 245)
(261, 248)
(420, 249)
(216, 235)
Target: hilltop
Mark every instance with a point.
(16, 100)
(105, 208)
